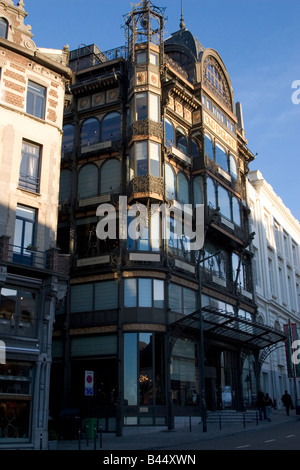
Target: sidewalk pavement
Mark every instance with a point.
(161, 439)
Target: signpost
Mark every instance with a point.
(89, 383)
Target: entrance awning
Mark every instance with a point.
(226, 326)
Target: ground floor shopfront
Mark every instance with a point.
(147, 375)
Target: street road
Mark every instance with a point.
(284, 436)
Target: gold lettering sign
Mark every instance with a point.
(219, 131)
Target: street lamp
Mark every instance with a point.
(202, 364)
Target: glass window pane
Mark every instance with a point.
(111, 127)
(145, 293)
(181, 141)
(209, 149)
(221, 157)
(189, 301)
(170, 182)
(155, 159)
(90, 132)
(153, 58)
(155, 232)
(141, 57)
(195, 149)
(82, 298)
(182, 188)
(154, 107)
(8, 300)
(146, 368)
(141, 106)
(130, 369)
(130, 293)
(65, 186)
(110, 177)
(233, 167)
(169, 133)
(236, 211)
(36, 100)
(141, 153)
(68, 138)
(224, 202)
(106, 295)
(198, 190)
(211, 194)
(3, 28)
(175, 298)
(27, 313)
(158, 293)
(88, 181)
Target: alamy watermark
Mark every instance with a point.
(2, 352)
(296, 352)
(132, 222)
(296, 93)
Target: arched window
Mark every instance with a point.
(221, 157)
(209, 148)
(68, 138)
(88, 181)
(169, 133)
(211, 193)
(198, 190)
(170, 182)
(111, 127)
(224, 202)
(182, 188)
(233, 167)
(181, 140)
(110, 179)
(3, 28)
(236, 213)
(195, 149)
(65, 186)
(90, 132)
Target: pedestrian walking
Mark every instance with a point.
(260, 403)
(287, 402)
(268, 405)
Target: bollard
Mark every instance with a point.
(244, 419)
(256, 418)
(41, 441)
(79, 439)
(220, 421)
(100, 437)
(95, 438)
(87, 435)
(190, 424)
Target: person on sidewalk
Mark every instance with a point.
(261, 404)
(268, 404)
(287, 402)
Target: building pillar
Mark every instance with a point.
(4, 247)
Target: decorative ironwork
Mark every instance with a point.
(218, 86)
(146, 184)
(145, 128)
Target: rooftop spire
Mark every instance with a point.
(182, 24)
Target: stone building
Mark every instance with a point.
(277, 281)
(33, 275)
(154, 327)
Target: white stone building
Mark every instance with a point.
(277, 277)
(32, 276)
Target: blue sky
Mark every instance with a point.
(259, 43)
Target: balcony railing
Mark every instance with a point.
(31, 257)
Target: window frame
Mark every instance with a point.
(27, 181)
(32, 96)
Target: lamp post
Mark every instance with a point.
(202, 363)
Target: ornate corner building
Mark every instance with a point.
(33, 275)
(163, 331)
